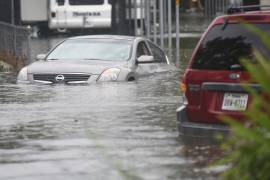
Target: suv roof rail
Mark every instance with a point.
(241, 9)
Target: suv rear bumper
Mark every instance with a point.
(195, 129)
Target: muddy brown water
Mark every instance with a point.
(125, 130)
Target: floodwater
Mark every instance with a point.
(125, 130)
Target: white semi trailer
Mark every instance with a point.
(66, 14)
(62, 15)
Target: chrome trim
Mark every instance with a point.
(64, 77)
(77, 82)
(60, 78)
(230, 87)
(234, 76)
(43, 82)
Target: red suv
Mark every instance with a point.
(213, 82)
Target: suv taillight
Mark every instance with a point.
(183, 87)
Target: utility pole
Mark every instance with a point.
(119, 23)
(177, 18)
(123, 25)
(12, 12)
(113, 16)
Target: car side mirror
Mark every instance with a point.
(145, 59)
(41, 57)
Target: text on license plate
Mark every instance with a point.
(235, 102)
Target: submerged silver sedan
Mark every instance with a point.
(86, 59)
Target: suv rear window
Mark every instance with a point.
(225, 45)
(86, 2)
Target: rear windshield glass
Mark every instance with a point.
(86, 2)
(225, 45)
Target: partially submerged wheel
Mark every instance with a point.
(62, 30)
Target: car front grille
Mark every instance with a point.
(61, 78)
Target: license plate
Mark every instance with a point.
(235, 102)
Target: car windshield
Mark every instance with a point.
(92, 49)
(225, 45)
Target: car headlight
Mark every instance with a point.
(109, 75)
(23, 75)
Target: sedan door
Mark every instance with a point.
(144, 68)
(160, 58)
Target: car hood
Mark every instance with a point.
(69, 66)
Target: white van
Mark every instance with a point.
(74, 14)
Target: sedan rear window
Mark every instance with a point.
(225, 45)
(92, 49)
(86, 2)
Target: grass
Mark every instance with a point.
(10, 62)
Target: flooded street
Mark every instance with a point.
(124, 130)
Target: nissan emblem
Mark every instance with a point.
(60, 78)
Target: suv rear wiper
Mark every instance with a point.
(225, 24)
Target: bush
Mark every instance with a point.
(10, 62)
(248, 147)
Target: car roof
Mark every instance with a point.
(114, 37)
(248, 16)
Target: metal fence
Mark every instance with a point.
(158, 21)
(15, 40)
(214, 8)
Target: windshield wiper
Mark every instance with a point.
(225, 24)
(52, 59)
